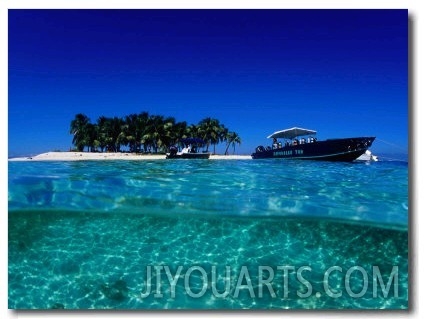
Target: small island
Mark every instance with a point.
(138, 137)
(144, 133)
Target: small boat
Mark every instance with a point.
(302, 144)
(191, 150)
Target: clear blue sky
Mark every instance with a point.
(340, 72)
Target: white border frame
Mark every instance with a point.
(415, 131)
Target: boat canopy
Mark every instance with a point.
(292, 133)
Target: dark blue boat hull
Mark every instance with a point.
(343, 149)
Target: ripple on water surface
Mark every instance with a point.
(375, 193)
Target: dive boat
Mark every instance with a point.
(189, 151)
(302, 144)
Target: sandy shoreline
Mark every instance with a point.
(84, 156)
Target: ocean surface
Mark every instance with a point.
(208, 234)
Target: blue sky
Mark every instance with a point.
(340, 72)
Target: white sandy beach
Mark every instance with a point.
(84, 156)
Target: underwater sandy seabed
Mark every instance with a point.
(99, 261)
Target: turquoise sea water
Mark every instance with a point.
(208, 234)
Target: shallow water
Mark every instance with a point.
(84, 235)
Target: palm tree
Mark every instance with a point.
(169, 132)
(111, 133)
(151, 134)
(91, 137)
(159, 132)
(130, 131)
(116, 133)
(140, 130)
(102, 138)
(191, 131)
(179, 131)
(210, 131)
(223, 133)
(79, 128)
(232, 138)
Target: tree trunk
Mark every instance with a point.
(226, 150)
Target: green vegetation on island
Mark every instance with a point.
(146, 133)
